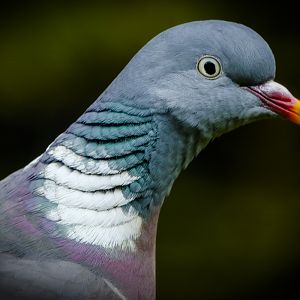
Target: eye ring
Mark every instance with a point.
(209, 66)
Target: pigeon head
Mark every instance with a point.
(212, 75)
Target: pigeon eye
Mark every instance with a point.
(209, 66)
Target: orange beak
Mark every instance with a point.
(278, 98)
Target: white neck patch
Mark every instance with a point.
(90, 201)
(109, 229)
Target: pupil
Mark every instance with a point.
(210, 68)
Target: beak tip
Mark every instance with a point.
(278, 99)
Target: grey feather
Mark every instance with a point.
(152, 120)
(50, 280)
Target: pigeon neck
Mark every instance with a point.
(106, 174)
(105, 179)
(96, 177)
(176, 146)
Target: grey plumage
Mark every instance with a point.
(50, 279)
(80, 221)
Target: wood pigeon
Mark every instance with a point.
(79, 222)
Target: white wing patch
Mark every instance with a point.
(90, 201)
(122, 297)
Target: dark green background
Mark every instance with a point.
(230, 229)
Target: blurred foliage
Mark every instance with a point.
(230, 229)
